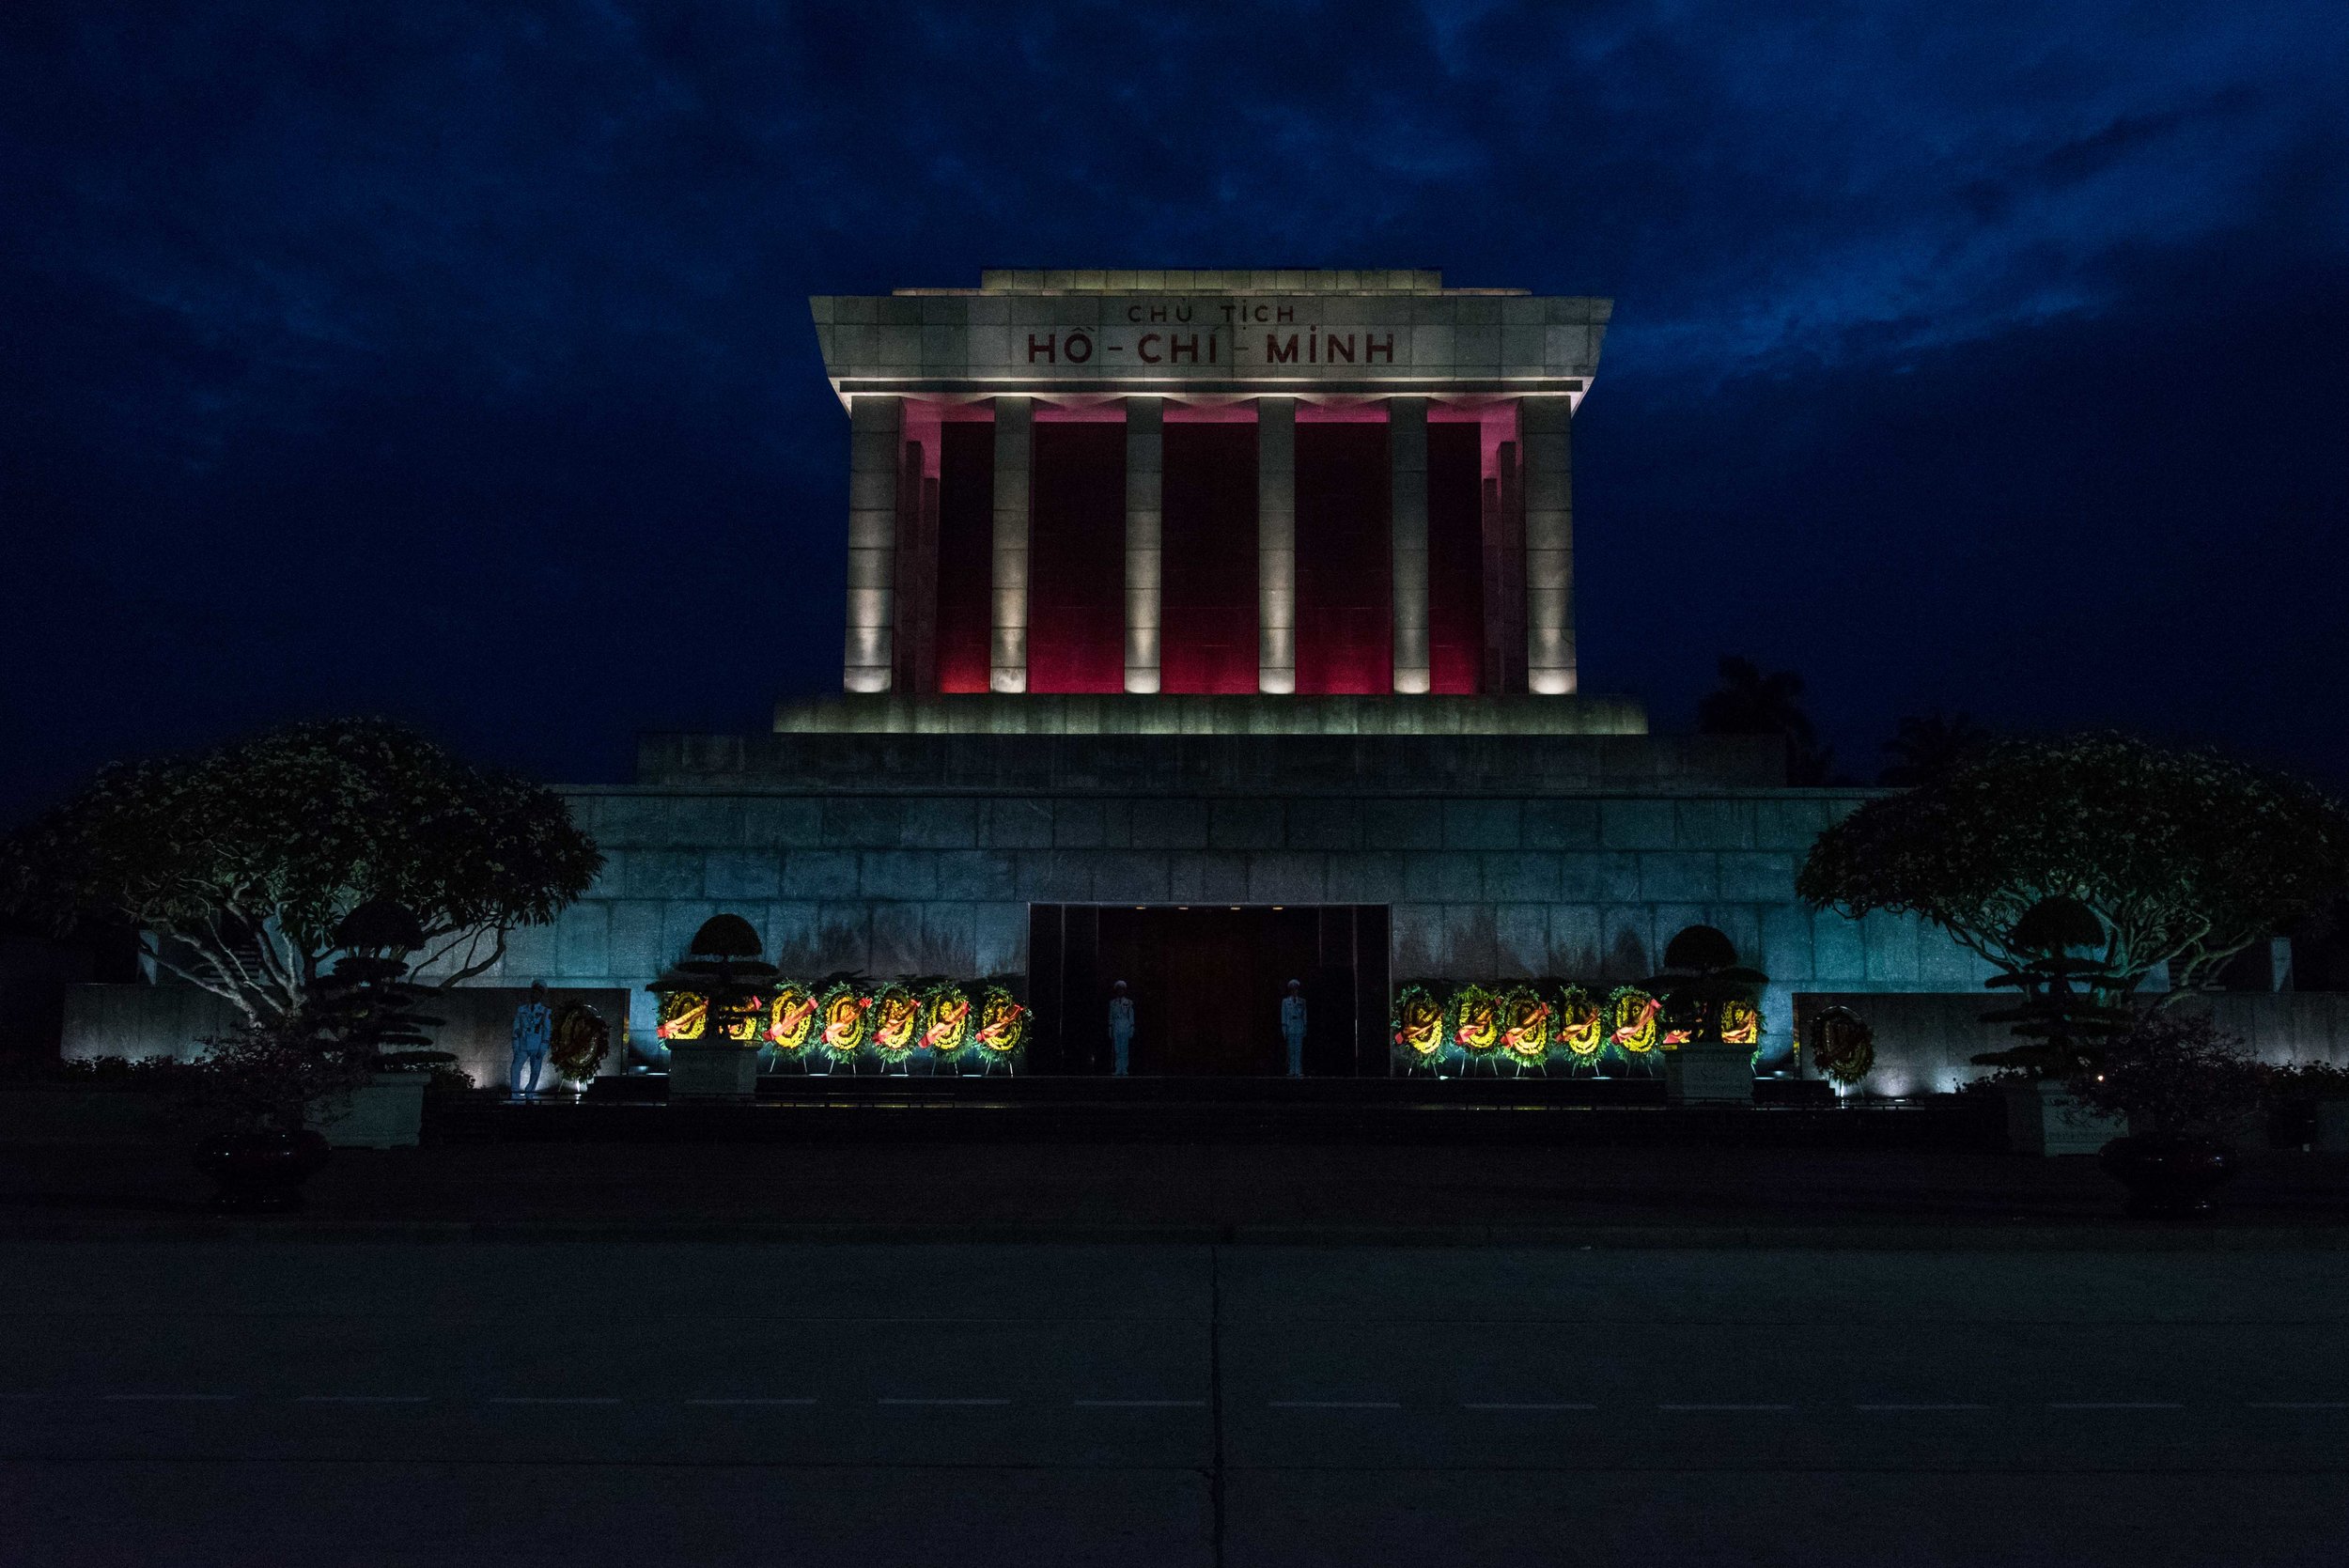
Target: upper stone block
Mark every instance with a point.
(1210, 332)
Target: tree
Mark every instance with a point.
(364, 1006)
(1751, 703)
(236, 866)
(1926, 748)
(2071, 1004)
(2186, 858)
(2172, 1074)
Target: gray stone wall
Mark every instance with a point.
(1586, 886)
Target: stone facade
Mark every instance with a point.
(930, 865)
(1399, 330)
(1280, 350)
(1415, 742)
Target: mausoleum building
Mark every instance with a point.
(1207, 630)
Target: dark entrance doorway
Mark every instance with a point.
(1207, 985)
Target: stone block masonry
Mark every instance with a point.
(928, 866)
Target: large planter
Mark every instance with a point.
(704, 1070)
(260, 1172)
(1702, 1073)
(2041, 1118)
(385, 1113)
(2168, 1175)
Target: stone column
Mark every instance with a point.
(1276, 545)
(874, 430)
(1145, 448)
(1546, 426)
(1406, 453)
(1015, 447)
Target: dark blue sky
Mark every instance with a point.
(454, 363)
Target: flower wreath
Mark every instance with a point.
(946, 1020)
(1741, 1023)
(1524, 1024)
(844, 1009)
(1845, 1049)
(1002, 1022)
(1580, 1030)
(1418, 1025)
(791, 1017)
(897, 1020)
(581, 1040)
(1631, 1020)
(1475, 1019)
(683, 1016)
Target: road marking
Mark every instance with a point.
(2300, 1404)
(794, 1400)
(1920, 1407)
(1335, 1405)
(537, 1399)
(1140, 1404)
(363, 1399)
(168, 1399)
(1496, 1404)
(951, 1402)
(2138, 1405)
(1724, 1407)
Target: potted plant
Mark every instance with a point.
(1701, 979)
(2176, 1079)
(257, 1094)
(364, 1009)
(2070, 1005)
(718, 1060)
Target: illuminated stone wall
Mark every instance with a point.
(930, 867)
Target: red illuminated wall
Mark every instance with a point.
(1456, 557)
(1209, 562)
(1345, 564)
(1077, 558)
(966, 554)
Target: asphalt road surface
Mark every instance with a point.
(639, 1404)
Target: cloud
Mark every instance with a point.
(448, 294)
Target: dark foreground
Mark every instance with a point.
(584, 1404)
(1458, 1192)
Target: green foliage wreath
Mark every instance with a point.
(1419, 1027)
(946, 1025)
(581, 1040)
(843, 1020)
(895, 1023)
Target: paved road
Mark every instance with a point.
(643, 1404)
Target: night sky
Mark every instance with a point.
(454, 363)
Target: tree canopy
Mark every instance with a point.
(237, 864)
(1925, 747)
(1749, 702)
(2188, 858)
